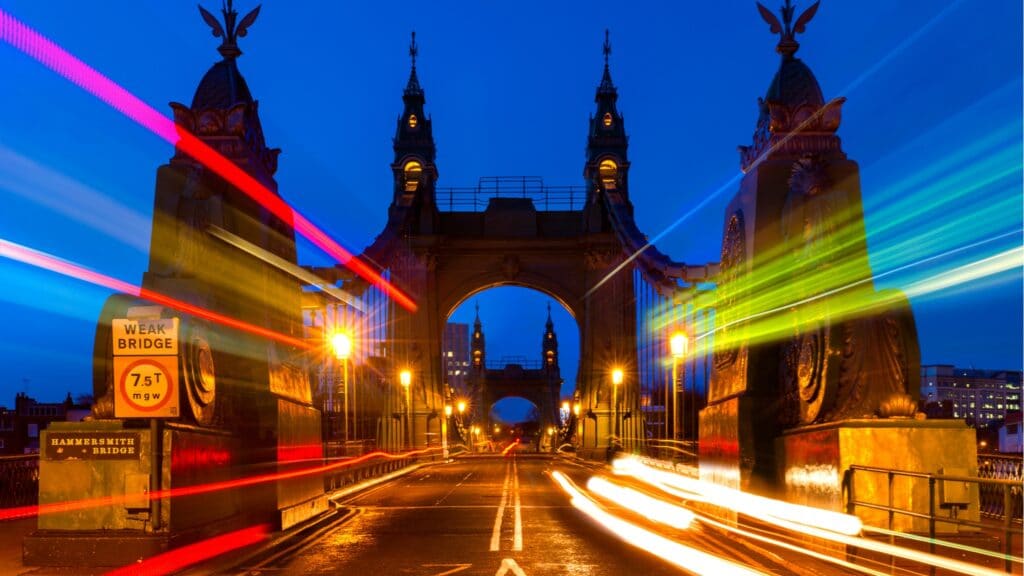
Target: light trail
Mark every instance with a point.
(45, 261)
(768, 509)
(285, 266)
(814, 522)
(32, 181)
(174, 560)
(993, 265)
(49, 54)
(121, 499)
(945, 544)
(687, 558)
(652, 508)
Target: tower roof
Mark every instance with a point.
(794, 84)
(223, 85)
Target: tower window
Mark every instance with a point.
(413, 121)
(413, 173)
(607, 119)
(609, 172)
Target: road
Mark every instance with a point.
(483, 515)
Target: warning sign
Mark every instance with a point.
(145, 337)
(145, 367)
(146, 387)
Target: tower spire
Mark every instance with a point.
(606, 79)
(230, 32)
(413, 87)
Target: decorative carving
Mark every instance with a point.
(230, 32)
(897, 405)
(734, 254)
(236, 133)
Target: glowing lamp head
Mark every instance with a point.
(342, 345)
(447, 409)
(565, 406)
(405, 377)
(461, 406)
(576, 409)
(617, 376)
(678, 344)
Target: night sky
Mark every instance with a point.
(933, 117)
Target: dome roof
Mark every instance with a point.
(794, 85)
(222, 87)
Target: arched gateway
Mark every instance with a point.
(442, 245)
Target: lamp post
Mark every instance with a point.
(616, 380)
(677, 345)
(342, 345)
(579, 424)
(444, 430)
(405, 377)
(461, 407)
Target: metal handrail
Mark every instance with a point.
(19, 480)
(476, 198)
(1010, 488)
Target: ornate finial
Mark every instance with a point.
(229, 47)
(413, 49)
(787, 45)
(607, 48)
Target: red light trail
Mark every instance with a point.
(49, 54)
(179, 558)
(71, 505)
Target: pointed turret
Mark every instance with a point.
(414, 169)
(607, 165)
(549, 345)
(477, 344)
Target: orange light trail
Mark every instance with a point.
(71, 505)
(54, 264)
(49, 54)
(509, 447)
(179, 558)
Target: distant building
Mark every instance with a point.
(455, 349)
(1010, 435)
(978, 396)
(20, 427)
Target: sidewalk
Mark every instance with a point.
(12, 533)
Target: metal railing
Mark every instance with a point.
(1010, 491)
(476, 198)
(1000, 467)
(19, 480)
(522, 361)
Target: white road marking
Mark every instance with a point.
(445, 497)
(496, 532)
(464, 479)
(509, 564)
(517, 543)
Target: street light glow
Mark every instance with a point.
(617, 376)
(342, 344)
(461, 406)
(447, 409)
(405, 377)
(678, 344)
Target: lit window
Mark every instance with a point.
(609, 172)
(450, 354)
(607, 119)
(413, 173)
(413, 121)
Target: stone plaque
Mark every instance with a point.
(92, 445)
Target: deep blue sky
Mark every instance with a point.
(510, 87)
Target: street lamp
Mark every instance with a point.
(444, 430)
(616, 380)
(405, 377)
(677, 345)
(342, 344)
